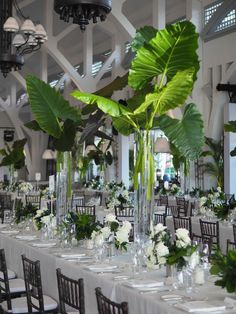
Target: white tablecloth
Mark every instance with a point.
(138, 303)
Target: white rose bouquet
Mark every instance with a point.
(25, 187)
(44, 217)
(113, 229)
(175, 190)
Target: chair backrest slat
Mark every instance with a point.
(231, 246)
(159, 218)
(86, 209)
(124, 212)
(183, 222)
(210, 229)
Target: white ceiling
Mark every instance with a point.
(139, 13)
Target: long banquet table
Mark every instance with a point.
(149, 303)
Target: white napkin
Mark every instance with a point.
(26, 237)
(200, 306)
(70, 255)
(9, 231)
(44, 245)
(140, 284)
(101, 268)
(171, 297)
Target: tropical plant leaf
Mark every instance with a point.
(143, 36)
(16, 156)
(172, 50)
(118, 84)
(48, 106)
(66, 141)
(92, 125)
(186, 134)
(33, 125)
(88, 109)
(233, 152)
(230, 127)
(172, 95)
(123, 126)
(108, 106)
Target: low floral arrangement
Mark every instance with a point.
(13, 187)
(215, 198)
(119, 195)
(113, 230)
(95, 184)
(196, 192)
(175, 190)
(25, 212)
(84, 225)
(164, 251)
(25, 187)
(44, 217)
(224, 266)
(46, 193)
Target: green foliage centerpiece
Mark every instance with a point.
(162, 74)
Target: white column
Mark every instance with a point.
(159, 14)
(123, 158)
(229, 144)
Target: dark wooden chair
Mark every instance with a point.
(159, 219)
(163, 200)
(106, 306)
(86, 209)
(6, 204)
(36, 300)
(11, 290)
(210, 229)
(125, 212)
(201, 241)
(71, 293)
(77, 200)
(234, 231)
(175, 211)
(183, 222)
(183, 204)
(33, 199)
(231, 246)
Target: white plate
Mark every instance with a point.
(98, 268)
(144, 284)
(201, 307)
(26, 237)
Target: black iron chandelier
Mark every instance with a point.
(82, 11)
(16, 41)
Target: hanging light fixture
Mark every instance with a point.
(162, 145)
(82, 11)
(16, 41)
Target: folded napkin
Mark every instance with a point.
(44, 245)
(200, 306)
(101, 268)
(171, 297)
(81, 255)
(26, 237)
(140, 284)
(9, 231)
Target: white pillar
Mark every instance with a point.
(159, 14)
(229, 144)
(123, 158)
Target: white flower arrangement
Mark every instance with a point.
(119, 195)
(25, 187)
(44, 217)
(113, 229)
(175, 190)
(215, 199)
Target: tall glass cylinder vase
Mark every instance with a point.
(63, 184)
(144, 182)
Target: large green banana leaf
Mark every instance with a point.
(230, 127)
(49, 107)
(172, 50)
(186, 134)
(14, 156)
(172, 95)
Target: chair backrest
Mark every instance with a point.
(86, 209)
(234, 231)
(33, 285)
(183, 222)
(71, 293)
(210, 229)
(106, 306)
(231, 246)
(183, 204)
(163, 200)
(124, 212)
(33, 199)
(200, 241)
(77, 200)
(175, 211)
(159, 219)
(6, 202)
(4, 282)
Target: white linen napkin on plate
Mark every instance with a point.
(200, 306)
(9, 231)
(101, 268)
(26, 237)
(139, 284)
(72, 255)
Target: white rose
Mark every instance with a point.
(202, 210)
(110, 218)
(219, 189)
(149, 249)
(105, 232)
(161, 249)
(45, 219)
(159, 228)
(127, 225)
(122, 236)
(202, 200)
(182, 233)
(181, 244)
(162, 260)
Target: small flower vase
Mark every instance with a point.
(144, 182)
(63, 184)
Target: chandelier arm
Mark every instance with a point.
(31, 49)
(22, 45)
